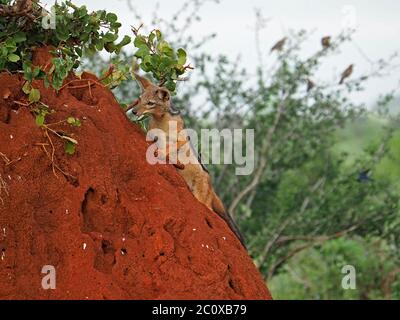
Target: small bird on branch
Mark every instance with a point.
(364, 176)
(310, 85)
(346, 73)
(326, 42)
(279, 45)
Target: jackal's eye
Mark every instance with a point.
(151, 104)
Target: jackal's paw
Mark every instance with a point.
(179, 166)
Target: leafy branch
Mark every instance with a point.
(158, 57)
(77, 33)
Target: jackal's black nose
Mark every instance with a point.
(133, 105)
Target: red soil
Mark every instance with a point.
(123, 229)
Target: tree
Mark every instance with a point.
(300, 194)
(316, 273)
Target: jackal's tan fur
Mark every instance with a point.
(156, 102)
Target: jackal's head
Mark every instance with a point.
(154, 100)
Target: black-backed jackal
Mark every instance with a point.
(156, 102)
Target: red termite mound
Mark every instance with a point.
(112, 225)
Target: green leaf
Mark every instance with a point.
(34, 96)
(125, 41)
(116, 25)
(110, 37)
(158, 34)
(110, 47)
(19, 37)
(71, 120)
(40, 118)
(152, 36)
(142, 52)
(69, 147)
(10, 45)
(62, 35)
(67, 51)
(182, 56)
(27, 88)
(27, 68)
(13, 57)
(27, 72)
(148, 61)
(155, 60)
(140, 41)
(111, 17)
(145, 67)
(100, 45)
(46, 82)
(79, 51)
(165, 63)
(81, 12)
(164, 48)
(74, 122)
(171, 86)
(36, 72)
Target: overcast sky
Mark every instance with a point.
(377, 23)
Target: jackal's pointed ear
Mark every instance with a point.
(143, 82)
(163, 94)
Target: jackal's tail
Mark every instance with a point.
(219, 208)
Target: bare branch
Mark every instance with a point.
(291, 254)
(262, 165)
(271, 243)
(313, 242)
(277, 236)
